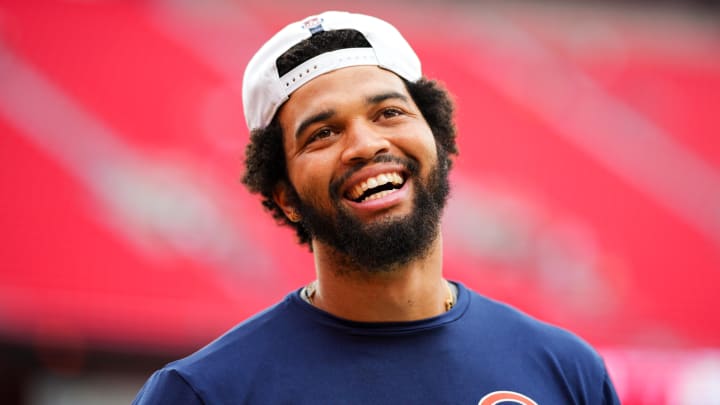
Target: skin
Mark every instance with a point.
(340, 121)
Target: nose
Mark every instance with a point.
(363, 142)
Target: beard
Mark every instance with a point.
(383, 245)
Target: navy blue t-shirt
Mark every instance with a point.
(480, 352)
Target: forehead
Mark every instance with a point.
(338, 89)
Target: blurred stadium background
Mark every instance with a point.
(587, 192)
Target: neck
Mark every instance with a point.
(406, 292)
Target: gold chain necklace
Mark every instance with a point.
(310, 290)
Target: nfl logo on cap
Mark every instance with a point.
(313, 24)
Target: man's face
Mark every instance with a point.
(364, 166)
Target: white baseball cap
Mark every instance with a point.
(264, 90)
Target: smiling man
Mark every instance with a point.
(351, 147)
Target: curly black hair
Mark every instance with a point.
(265, 165)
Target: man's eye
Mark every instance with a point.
(322, 133)
(391, 112)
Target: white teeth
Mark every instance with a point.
(378, 195)
(379, 180)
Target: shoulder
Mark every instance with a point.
(500, 319)
(244, 342)
(521, 341)
(167, 386)
(506, 326)
(233, 356)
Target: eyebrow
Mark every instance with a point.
(321, 116)
(379, 98)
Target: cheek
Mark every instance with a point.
(310, 176)
(421, 145)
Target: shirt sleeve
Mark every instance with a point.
(167, 386)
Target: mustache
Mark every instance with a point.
(411, 165)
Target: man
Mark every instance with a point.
(351, 147)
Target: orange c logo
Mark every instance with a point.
(497, 397)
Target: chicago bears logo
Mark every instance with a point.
(502, 397)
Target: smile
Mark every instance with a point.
(376, 187)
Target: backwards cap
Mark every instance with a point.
(264, 90)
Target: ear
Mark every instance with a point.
(284, 197)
